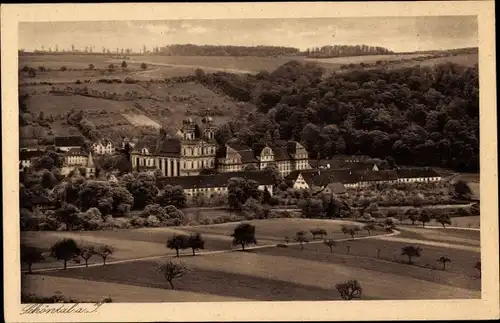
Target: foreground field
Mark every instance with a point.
(150, 242)
(271, 273)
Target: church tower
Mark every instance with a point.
(90, 167)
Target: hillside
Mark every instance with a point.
(415, 115)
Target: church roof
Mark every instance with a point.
(90, 161)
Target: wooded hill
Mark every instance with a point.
(414, 115)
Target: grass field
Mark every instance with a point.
(141, 120)
(268, 273)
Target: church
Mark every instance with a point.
(193, 149)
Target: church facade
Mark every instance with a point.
(194, 149)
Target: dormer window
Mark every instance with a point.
(144, 151)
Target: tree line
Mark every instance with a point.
(422, 116)
(224, 50)
(345, 50)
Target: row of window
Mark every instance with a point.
(197, 151)
(199, 164)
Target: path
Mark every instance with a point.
(206, 253)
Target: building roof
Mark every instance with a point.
(68, 141)
(90, 160)
(75, 152)
(40, 200)
(217, 180)
(417, 172)
(27, 155)
(337, 188)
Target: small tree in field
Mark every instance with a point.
(443, 219)
(301, 238)
(104, 251)
(344, 229)
(424, 217)
(349, 290)
(30, 255)
(178, 242)
(172, 270)
(65, 249)
(352, 231)
(318, 232)
(196, 242)
(411, 252)
(287, 240)
(413, 218)
(369, 228)
(330, 243)
(244, 234)
(144, 66)
(86, 252)
(444, 260)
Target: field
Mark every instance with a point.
(128, 107)
(266, 272)
(140, 120)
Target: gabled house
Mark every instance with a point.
(26, 157)
(103, 147)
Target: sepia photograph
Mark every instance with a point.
(204, 160)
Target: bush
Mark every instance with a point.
(137, 221)
(152, 221)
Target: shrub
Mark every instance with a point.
(152, 221)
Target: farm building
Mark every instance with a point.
(103, 147)
(193, 149)
(42, 202)
(25, 157)
(410, 175)
(357, 178)
(68, 142)
(214, 184)
(316, 180)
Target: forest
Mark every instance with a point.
(412, 115)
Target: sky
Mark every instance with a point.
(399, 34)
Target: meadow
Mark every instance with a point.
(221, 273)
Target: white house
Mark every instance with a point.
(103, 147)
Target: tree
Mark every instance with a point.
(104, 251)
(30, 255)
(369, 228)
(330, 243)
(196, 242)
(65, 249)
(301, 238)
(349, 290)
(318, 232)
(144, 66)
(424, 217)
(244, 234)
(172, 270)
(344, 229)
(461, 190)
(86, 252)
(172, 195)
(91, 67)
(250, 168)
(124, 64)
(411, 252)
(178, 242)
(443, 219)
(253, 208)
(67, 214)
(444, 260)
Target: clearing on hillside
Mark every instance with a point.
(141, 120)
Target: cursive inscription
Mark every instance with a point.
(60, 308)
